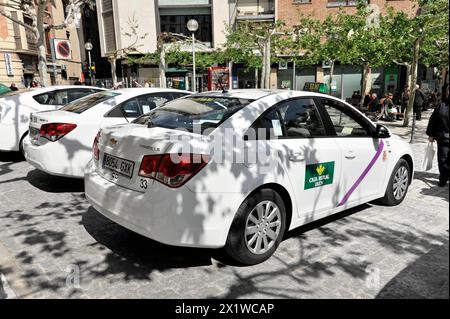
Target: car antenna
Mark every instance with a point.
(219, 79)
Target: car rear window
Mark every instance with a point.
(197, 114)
(85, 103)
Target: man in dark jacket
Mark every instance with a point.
(438, 130)
(419, 100)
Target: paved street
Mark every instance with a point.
(49, 234)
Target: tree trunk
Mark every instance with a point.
(366, 83)
(408, 76)
(263, 70)
(112, 60)
(267, 63)
(331, 77)
(413, 82)
(42, 51)
(162, 68)
(256, 78)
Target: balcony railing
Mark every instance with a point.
(255, 9)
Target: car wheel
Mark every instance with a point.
(257, 228)
(398, 184)
(21, 144)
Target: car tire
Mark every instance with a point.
(398, 184)
(21, 150)
(241, 244)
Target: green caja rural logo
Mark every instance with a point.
(320, 174)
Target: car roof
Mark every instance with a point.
(148, 90)
(34, 91)
(256, 94)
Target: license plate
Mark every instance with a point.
(118, 165)
(34, 135)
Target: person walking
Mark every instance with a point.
(419, 100)
(438, 130)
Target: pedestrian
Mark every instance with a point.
(374, 104)
(366, 101)
(390, 109)
(438, 130)
(419, 100)
(13, 87)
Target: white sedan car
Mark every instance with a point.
(16, 107)
(60, 142)
(239, 169)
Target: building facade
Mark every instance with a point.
(154, 17)
(346, 79)
(18, 51)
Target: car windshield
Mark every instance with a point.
(197, 114)
(85, 103)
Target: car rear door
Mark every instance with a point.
(363, 157)
(310, 157)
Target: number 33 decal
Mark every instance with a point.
(143, 184)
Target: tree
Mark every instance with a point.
(132, 47)
(365, 43)
(322, 40)
(36, 10)
(420, 38)
(254, 43)
(168, 51)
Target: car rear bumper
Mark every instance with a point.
(56, 159)
(177, 217)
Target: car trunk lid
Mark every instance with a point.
(122, 149)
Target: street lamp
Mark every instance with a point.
(88, 46)
(192, 26)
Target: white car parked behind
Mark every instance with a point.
(60, 142)
(247, 167)
(16, 107)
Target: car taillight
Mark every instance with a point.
(171, 169)
(95, 151)
(54, 131)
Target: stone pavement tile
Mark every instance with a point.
(371, 251)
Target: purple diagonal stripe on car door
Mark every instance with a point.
(363, 175)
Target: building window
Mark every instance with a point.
(177, 24)
(342, 3)
(302, 1)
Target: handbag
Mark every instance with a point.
(427, 163)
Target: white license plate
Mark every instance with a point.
(118, 165)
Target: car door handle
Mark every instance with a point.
(296, 157)
(350, 155)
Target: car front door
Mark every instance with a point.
(310, 158)
(363, 156)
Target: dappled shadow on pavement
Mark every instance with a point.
(432, 189)
(313, 259)
(13, 157)
(427, 277)
(7, 159)
(54, 184)
(133, 255)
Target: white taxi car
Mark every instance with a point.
(60, 141)
(16, 107)
(238, 169)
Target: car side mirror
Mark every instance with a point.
(382, 132)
